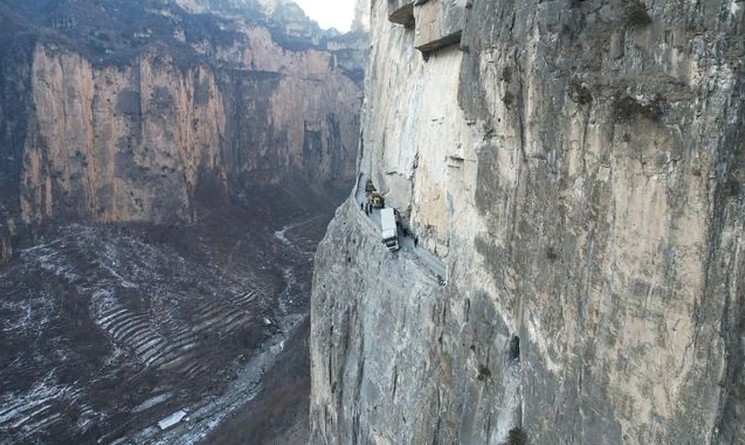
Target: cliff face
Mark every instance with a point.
(128, 111)
(578, 168)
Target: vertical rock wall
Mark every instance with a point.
(361, 16)
(105, 126)
(131, 144)
(578, 166)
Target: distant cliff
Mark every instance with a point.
(578, 168)
(128, 110)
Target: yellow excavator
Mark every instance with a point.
(375, 200)
(373, 197)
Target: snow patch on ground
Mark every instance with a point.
(50, 259)
(21, 317)
(281, 234)
(151, 402)
(42, 405)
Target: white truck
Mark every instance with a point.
(389, 229)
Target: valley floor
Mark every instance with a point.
(109, 330)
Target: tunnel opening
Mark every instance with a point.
(515, 349)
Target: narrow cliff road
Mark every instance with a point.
(424, 257)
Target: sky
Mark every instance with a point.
(329, 13)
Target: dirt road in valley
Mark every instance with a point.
(109, 330)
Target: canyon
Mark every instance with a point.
(124, 111)
(167, 168)
(577, 169)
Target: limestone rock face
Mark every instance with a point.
(361, 16)
(578, 166)
(133, 122)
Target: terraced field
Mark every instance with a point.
(108, 330)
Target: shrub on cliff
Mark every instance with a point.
(516, 436)
(637, 14)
